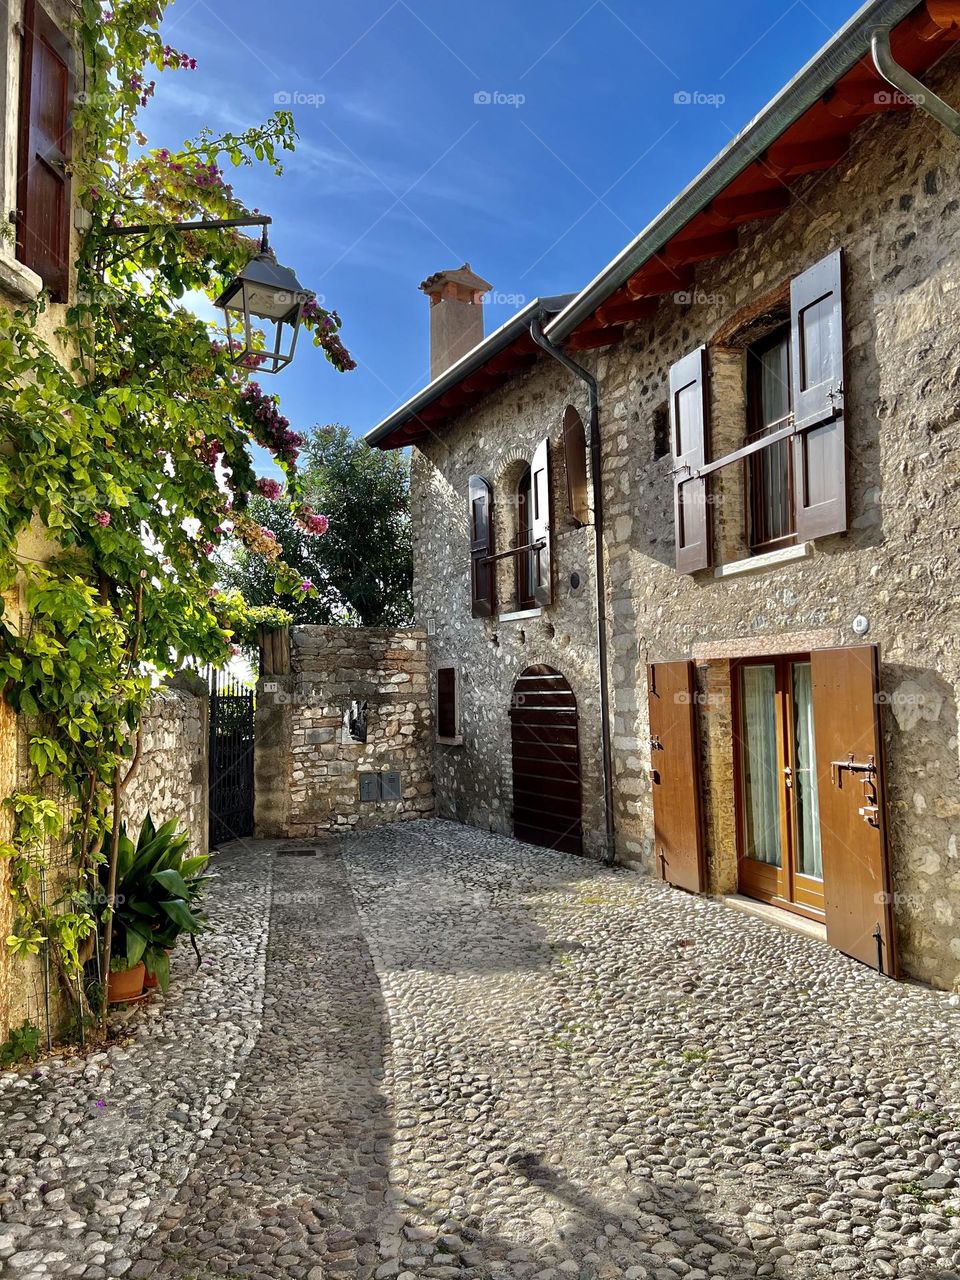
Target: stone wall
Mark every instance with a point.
(892, 207)
(309, 764)
(171, 782)
(173, 777)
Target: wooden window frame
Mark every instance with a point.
(756, 430)
(770, 881)
(526, 567)
(457, 739)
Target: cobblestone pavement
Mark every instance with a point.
(432, 1052)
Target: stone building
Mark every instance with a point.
(37, 256)
(760, 701)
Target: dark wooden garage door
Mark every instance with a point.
(546, 761)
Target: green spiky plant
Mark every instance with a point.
(159, 896)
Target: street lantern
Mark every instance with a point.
(264, 291)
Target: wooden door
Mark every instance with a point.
(547, 805)
(778, 821)
(675, 775)
(856, 863)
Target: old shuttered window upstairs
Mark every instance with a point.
(482, 572)
(796, 459)
(43, 184)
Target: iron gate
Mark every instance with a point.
(231, 759)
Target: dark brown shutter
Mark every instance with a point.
(482, 575)
(575, 458)
(540, 523)
(446, 702)
(819, 448)
(689, 420)
(43, 187)
(857, 887)
(675, 775)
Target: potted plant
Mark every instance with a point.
(158, 897)
(125, 981)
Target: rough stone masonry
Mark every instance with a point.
(345, 740)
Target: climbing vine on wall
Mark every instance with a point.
(127, 445)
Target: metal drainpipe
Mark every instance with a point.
(536, 332)
(912, 88)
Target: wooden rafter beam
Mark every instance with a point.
(657, 278)
(620, 310)
(587, 340)
(751, 206)
(681, 253)
(787, 160)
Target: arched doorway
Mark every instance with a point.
(546, 761)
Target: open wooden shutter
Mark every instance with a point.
(850, 785)
(575, 458)
(819, 448)
(43, 186)
(675, 775)
(540, 523)
(482, 573)
(446, 702)
(689, 418)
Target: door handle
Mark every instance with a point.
(787, 776)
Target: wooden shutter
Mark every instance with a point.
(482, 574)
(850, 786)
(675, 775)
(689, 420)
(575, 458)
(43, 187)
(819, 448)
(540, 523)
(446, 702)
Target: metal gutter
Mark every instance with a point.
(517, 326)
(536, 333)
(851, 43)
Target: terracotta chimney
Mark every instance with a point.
(456, 315)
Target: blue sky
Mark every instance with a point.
(401, 171)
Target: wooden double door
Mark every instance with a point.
(807, 749)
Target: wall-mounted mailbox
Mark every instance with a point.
(378, 788)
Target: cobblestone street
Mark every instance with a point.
(429, 1051)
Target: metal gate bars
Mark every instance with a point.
(231, 758)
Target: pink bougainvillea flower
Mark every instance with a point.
(103, 519)
(271, 489)
(306, 585)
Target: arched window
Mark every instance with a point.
(526, 561)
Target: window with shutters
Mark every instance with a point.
(43, 183)
(448, 705)
(526, 557)
(769, 473)
(793, 450)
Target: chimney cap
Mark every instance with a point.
(463, 276)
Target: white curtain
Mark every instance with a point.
(809, 857)
(761, 764)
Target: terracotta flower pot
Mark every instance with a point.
(126, 984)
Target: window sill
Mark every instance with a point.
(770, 560)
(518, 615)
(18, 281)
(449, 742)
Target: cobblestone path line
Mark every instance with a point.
(473, 1059)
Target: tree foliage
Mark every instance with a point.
(361, 570)
(133, 452)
